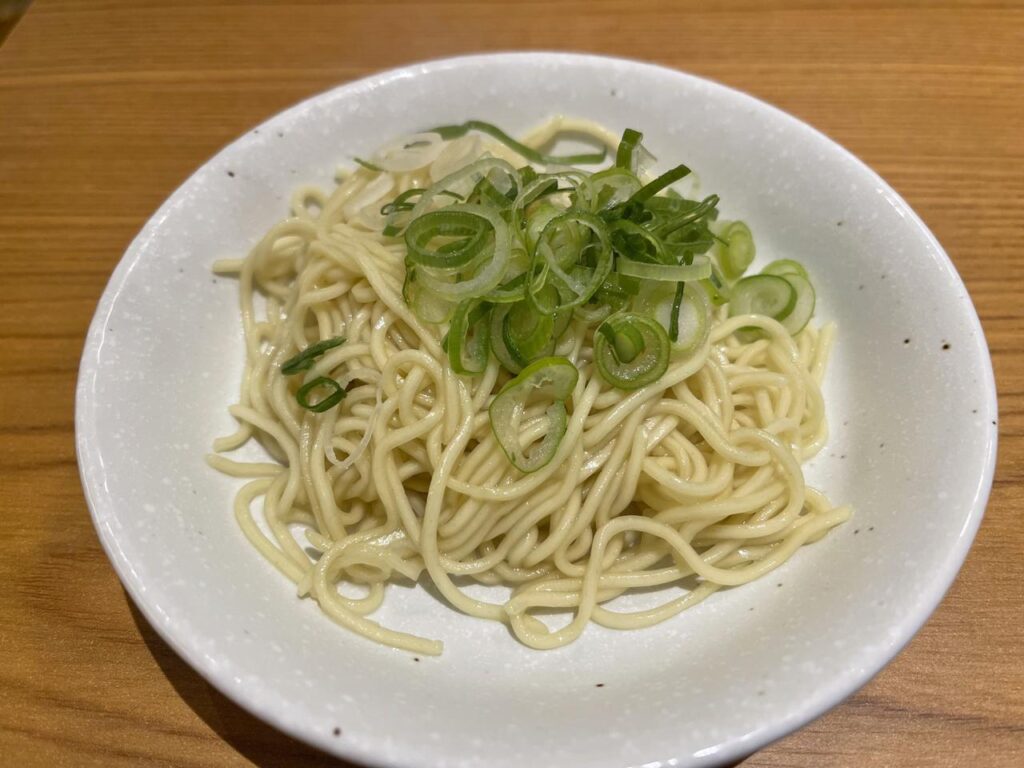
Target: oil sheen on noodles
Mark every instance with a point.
(690, 484)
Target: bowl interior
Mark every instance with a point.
(909, 394)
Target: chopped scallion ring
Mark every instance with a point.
(738, 252)
(526, 333)
(801, 313)
(581, 281)
(687, 315)
(449, 132)
(627, 156)
(497, 338)
(307, 357)
(631, 351)
(337, 394)
(464, 235)
(652, 188)
(467, 354)
(489, 267)
(551, 378)
(769, 295)
(786, 267)
(672, 273)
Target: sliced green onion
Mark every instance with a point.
(717, 288)
(631, 351)
(403, 204)
(627, 155)
(521, 254)
(794, 273)
(672, 273)
(687, 315)
(305, 359)
(534, 192)
(578, 284)
(324, 404)
(540, 217)
(471, 232)
(490, 272)
(526, 333)
(701, 210)
(611, 187)
(524, 212)
(769, 295)
(613, 296)
(497, 338)
(449, 132)
(528, 174)
(801, 313)
(652, 188)
(468, 355)
(626, 342)
(673, 320)
(425, 303)
(683, 244)
(552, 378)
(738, 253)
(637, 243)
(487, 193)
(463, 181)
(560, 324)
(509, 292)
(628, 286)
(785, 267)
(683, 251)
(593, 312)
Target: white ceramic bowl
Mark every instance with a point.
(910, 397)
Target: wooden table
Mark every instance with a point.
(106, 106)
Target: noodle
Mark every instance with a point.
(692, 481)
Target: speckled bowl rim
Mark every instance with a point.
(220, 672)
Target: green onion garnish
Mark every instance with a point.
(468, 354)
(769, 295)
(694, 215)
(511, 257)
(627, 156)
(527, 333)
(716, 286)
(305, 359)
(652, 188)
(786, 267)
(672, 273)
(612, 187)
(337, 394)
(445, 270)
(550, 378)
(673, 321)
(631, 351)
(576, 282)
(497, 336)
(403, 204)
(738, 253)
(463, 234)
(509, 292)
(449, 132)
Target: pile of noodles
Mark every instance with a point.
(693, 481)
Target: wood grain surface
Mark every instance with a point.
(106, 106)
